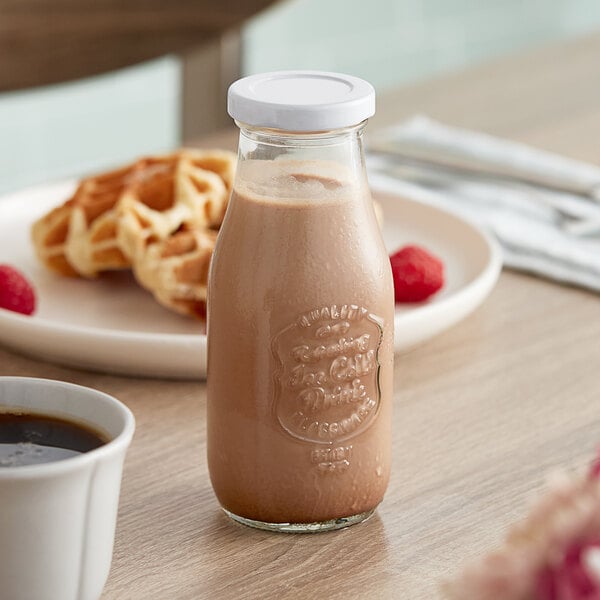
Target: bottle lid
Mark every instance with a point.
(301, 100)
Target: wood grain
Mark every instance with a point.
(48, 41)
(482, 412)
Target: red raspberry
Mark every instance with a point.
(417, 274)
(16, 293)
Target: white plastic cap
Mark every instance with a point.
(301, 100)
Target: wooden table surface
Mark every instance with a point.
(481, 412)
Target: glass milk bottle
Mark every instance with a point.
(300, 312)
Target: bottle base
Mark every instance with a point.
(330, 525)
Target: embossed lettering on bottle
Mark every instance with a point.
(327, 383)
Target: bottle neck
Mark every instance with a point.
(340, 147)
(281, 137)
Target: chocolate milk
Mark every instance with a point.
(300, 347)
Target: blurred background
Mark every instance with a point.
(81, 109)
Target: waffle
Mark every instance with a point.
(49, 235)
(91, 244)
(175, 270)
(80, 237)
(112, 217)
(220, 162)
(193, 192)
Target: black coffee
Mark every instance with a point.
(32, 439)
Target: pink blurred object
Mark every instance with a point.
(572, 578)
(554, 554)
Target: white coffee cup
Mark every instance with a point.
(57, 520)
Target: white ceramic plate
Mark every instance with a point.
(112, 325)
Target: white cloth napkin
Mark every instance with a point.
(544, 209)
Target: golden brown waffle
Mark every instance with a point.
(49, 235)
(220, 162)
(91, 244)
(91, 233)
(175, 270)
(80, 237)
(187, 193)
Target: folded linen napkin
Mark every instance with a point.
(544, 209)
